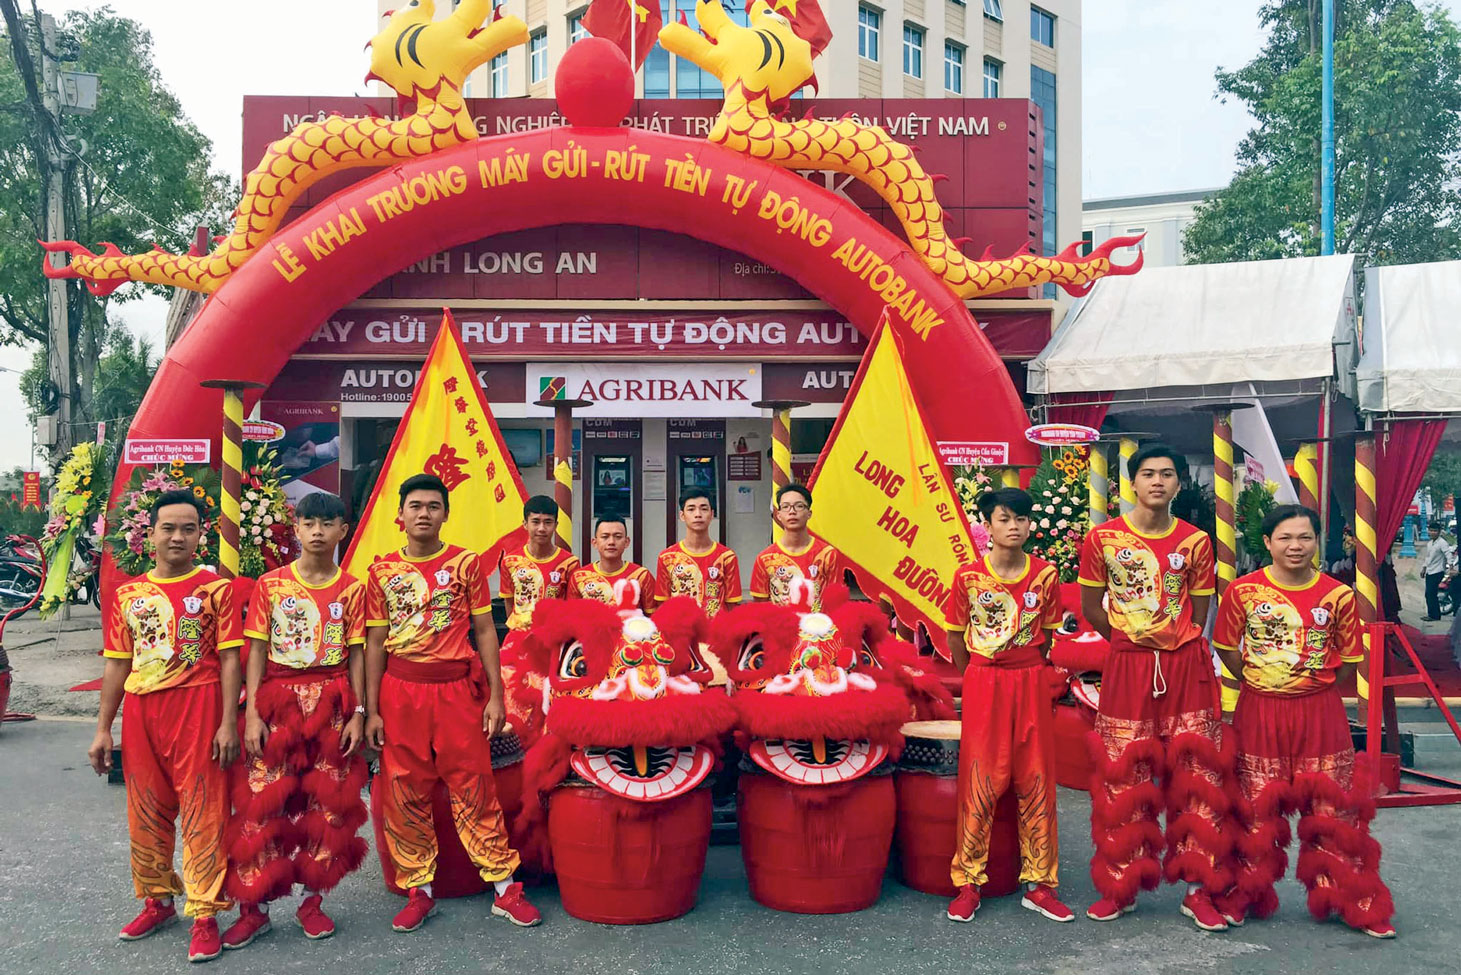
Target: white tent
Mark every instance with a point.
(1204, 324)
(1412, 346)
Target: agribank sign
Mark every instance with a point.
(636, 389)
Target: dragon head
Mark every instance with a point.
(622, 692)
(811, 689)
(416, 54)
(767, 57)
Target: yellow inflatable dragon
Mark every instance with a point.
(418, 56)
(762, 65)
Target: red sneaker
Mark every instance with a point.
(1106, 909)
(1198, 906)
(512, 905)
(1232, 908)
(251, 923)
(419, 907)
(1379, 929)
(1042, 900)
(313, 919)
(962, 907)
(205, 945)
(154, 917)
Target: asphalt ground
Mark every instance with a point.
(65, 891)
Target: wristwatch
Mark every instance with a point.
(360, 709)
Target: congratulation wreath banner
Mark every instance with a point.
(884, 500)
(449, 431)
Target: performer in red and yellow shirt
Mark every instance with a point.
(425, 710)
(1293, 634)
(537, 570)
(1000, 614)
(705, 570)
(171, 645)
(597, 581)
(796, 555)
(1147, 581)
(296, 795)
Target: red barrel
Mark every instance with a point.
(815, 849)
(927, 784)
(456, 875)
(625, 862)
(1073, 726)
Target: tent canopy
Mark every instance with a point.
(1200, 324)
(1412, 350)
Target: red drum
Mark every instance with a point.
(1073, 726)
(624, 862)
(815, 849)
(456, 875)
(927, 783)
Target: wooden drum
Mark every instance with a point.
(927, 785)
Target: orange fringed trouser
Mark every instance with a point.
(1295, 754)
(1008, 737)
(433, 731)
(167, 737)
(297, 807)
(1159, 720)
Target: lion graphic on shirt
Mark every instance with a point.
(527, 586)
(406, 596)
(780, 572)
(150, 617)
(1135, 575)
(1273, 637)
(294, 628)
(685, 580)
(994, 617)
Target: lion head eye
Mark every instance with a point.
(571, 662)
(753, 654)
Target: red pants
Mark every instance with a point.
(1008, 737)
(433, 731)
(522, 686)
(297, 807)
(167, 737)
(1159, 718)
(1295, 755)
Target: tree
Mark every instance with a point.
(1397, 88)
(136, 173)
(123, 372)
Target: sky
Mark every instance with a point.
(1150, 122)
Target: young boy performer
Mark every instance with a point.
(537, 570)
(699, 567)
(296, 795)
(172, 639)
(423, 607)
(1000, 615)
(1159, 712)
(797, 555)
(596, 581)
(1293, 634)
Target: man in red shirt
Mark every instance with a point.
(536, 570)
(597, 581)
(425, 605)
(171, 644)
(796, 555)
(1000, 614)
(297, 794)
(705, 570)
(1147, 581)
(1292, 632)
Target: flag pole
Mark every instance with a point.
(563, 463)
(780, 449)
(230, 471)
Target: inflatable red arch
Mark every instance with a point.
(341, 248)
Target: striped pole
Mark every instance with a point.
(1126, 450)
(1010, 477)
(563, 472)
(780, 449)
(1306, 465)
(1100, 484)
(231, 473)
(1227, 534)
(1366, 557)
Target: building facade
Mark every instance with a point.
(1162, 217)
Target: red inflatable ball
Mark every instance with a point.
(594, 84)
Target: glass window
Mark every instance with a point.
(1042, 27)
(1042, 93)
(869, 26)
(499, 75)
(913, 50)
(953, 67)
(993, 10)
(538, 57)
(576, 30)
(467, 87)
(992, 72)
(690, 80)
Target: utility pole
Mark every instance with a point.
(1326, 145)
(58, 314)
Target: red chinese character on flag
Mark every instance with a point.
(447, 465)
(449, 384)
(460, 404)
(471, 426)
(491, 470)
(481, 449)
(499, 495)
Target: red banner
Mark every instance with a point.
(30, 490)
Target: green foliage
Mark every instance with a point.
(1443, 476)
(18, 520)
(123, 373)
(1254, 502)
(1397, 134)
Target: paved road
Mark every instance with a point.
(64, 892)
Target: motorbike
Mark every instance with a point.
(22, 572)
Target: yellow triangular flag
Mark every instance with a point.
(884, 500)
(449, 431)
